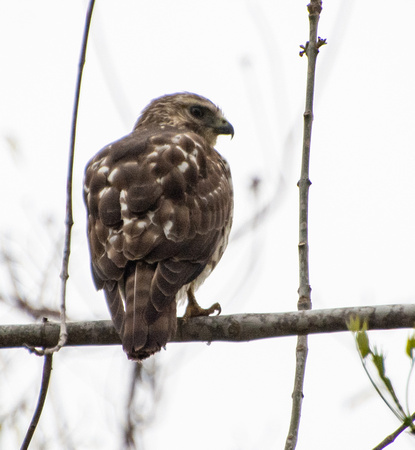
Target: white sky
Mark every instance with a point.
(243, 55)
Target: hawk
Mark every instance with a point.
(159, 210)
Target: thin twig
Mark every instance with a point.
(232, 328)
(47, 369)
(63, 335)
(18, 297)
(407, 385)
(130, 426)
(304, 291)
(377, 389)
(142, 403)
(391, 438)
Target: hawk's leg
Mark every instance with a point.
(194, 310)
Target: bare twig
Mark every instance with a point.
(142, 403)
(232, 328)
(17, 297)
(63, 335)
(304, 291)
(130, 426)
(47, 369)
(391, 438)
(25, 305)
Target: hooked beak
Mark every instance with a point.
(225, 128)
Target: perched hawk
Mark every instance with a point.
(160, 205)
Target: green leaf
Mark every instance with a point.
(410, 346)
(353, 324)
(379, 362)
(362, 340)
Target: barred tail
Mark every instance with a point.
(145, 329)
(113, 295)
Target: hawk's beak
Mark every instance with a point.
(225, 128)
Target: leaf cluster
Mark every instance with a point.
(372, 356)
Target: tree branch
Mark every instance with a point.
(304, 290)
(69, 217)
(232, 328)
(47, 370)
(391, 438)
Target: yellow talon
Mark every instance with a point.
(194, 310)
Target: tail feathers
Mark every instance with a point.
(145, 329)
(113, 296)
(169, 277)
(161, 328)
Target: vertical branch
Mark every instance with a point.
(64, 275)
(311, 50)
(304, 291)
(47, 369)
(131, 422)
(63, 333)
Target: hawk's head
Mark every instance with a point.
(188, 112)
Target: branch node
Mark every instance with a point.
(304, 303)
(315, 7)
(321, 42)
(304, 49)
(34, 350)
(306, 182)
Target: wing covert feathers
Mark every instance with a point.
(160, 206)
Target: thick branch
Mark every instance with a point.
(233, 328)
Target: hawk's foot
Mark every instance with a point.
(193, 309)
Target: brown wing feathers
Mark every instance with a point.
(159, 207)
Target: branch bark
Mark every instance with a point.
(304, 290)
(391, 438)
(232, 328)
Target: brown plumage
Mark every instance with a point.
(160, 206)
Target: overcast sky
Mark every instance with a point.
(243, 55)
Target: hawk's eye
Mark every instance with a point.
(197, 111)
